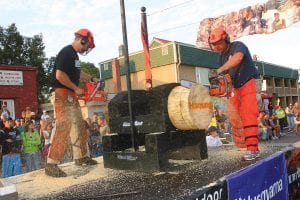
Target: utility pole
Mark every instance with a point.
(126, 57)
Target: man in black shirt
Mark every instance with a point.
(69, 121)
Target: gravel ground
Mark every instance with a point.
(180, 178)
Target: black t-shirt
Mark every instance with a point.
(67, 61)
(10, 147)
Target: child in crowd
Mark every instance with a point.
(213, 140)
(97, 148)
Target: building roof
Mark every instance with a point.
(157, 42)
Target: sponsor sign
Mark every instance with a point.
(214, 191)
(293, 172)
(11, 77)
(265, 180)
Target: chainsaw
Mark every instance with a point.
(93, 92)
(220, 85)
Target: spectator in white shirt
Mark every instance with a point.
(45, 116)
(4, 112)
(213, 140)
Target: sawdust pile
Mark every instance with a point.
(36, 184)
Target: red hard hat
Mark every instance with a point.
(86, 33)
(217, 34)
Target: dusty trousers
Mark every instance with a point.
(243, 114)
(69, 125)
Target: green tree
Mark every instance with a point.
(16, 49)
(12, 51)
(90, 69)
(35, 56)
(49, 79)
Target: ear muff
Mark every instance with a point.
(85, 39)
(224, 35)
(226, 38)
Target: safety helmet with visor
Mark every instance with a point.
(86, 38)
(217, 35)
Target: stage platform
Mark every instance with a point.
(182, 179)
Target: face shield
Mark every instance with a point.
(85, 52)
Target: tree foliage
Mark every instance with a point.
(16, 49)
(90, 69)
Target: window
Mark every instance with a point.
(202, 75)
(287, 83)
(293, 83)
(164, 51)
(105, 66)
(278, 82)
(269, 82)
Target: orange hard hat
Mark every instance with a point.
(87, 37)
(216, 35)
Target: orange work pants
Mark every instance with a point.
(69, 125)
(243, 113)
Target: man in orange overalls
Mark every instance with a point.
(242, 108)
(69, 121)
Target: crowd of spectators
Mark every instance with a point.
(273, 123)
(24, 142)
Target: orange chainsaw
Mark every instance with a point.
(93, 92)
(220, 85)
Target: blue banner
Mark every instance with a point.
(215, 191)
(265, 180)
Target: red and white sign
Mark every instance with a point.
(11, 77)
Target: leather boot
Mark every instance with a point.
(54, 171)
(85, 161)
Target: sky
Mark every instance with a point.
(174, 20)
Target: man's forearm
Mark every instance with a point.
(63, 78)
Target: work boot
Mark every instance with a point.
(85, 161)
(54, 171)
(251, 155)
